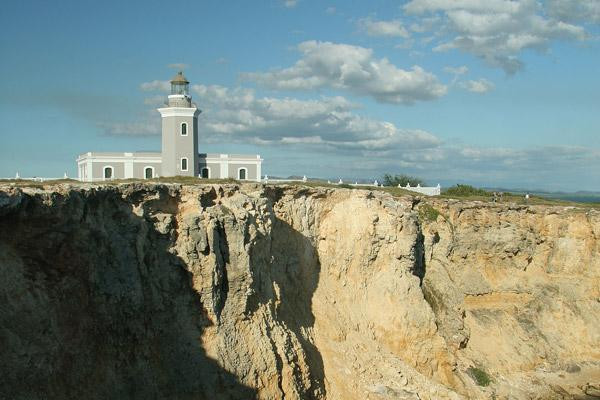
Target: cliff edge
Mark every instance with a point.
(271, 292)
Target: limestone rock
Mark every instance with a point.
(271, 292)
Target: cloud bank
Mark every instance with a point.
(352, 69)
(328, 122)
(392, 28)
(498, 31)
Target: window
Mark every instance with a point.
(108, 172)
(148, 173)
(184, 129)
(205, 173)
(184, 164)
(242, 174)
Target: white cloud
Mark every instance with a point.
(457, 72)
(290, 3)
(575, 10)
(497, 31)
(463, 69)
(156, 86)
(478, 86)
(497, 6)
(354, 69)
(393, 28)
(330, 10)
(425, 24)
(328, 122)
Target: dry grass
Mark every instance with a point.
(520, 199)
(37, 184)
(394, 191)
(184, 180)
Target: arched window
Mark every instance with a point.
(184, 164)
(184, 129)
(148, 173)
(108, 172)
(242, 172)
(205, 173)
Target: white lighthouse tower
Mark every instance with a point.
(179, 131)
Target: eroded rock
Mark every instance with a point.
(229, 291)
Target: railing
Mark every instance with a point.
(18, 177)
(426, 190)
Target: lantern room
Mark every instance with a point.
(180, 85)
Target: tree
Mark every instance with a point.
(402, 180)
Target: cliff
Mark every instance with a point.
(239, 292)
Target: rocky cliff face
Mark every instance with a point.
(229, 292)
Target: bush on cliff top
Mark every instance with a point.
(428, 213)
(402, 180)
(464, 191)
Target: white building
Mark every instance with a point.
(179, 155)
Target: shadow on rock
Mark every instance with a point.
(93, 305)
(295, 269)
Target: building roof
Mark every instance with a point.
(179, 78)
(124, 155)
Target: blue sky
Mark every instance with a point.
(493, 93)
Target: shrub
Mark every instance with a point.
(465, 190)
(427, 213)
(479, 376)
(402, 180)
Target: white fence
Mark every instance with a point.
(426, 190)
(266, 179)
(36, 178)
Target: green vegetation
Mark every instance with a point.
(402, 180)
(465, 191)
(427, 213)
(479, 376)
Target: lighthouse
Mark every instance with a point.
(179, 154)
(179, 130)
